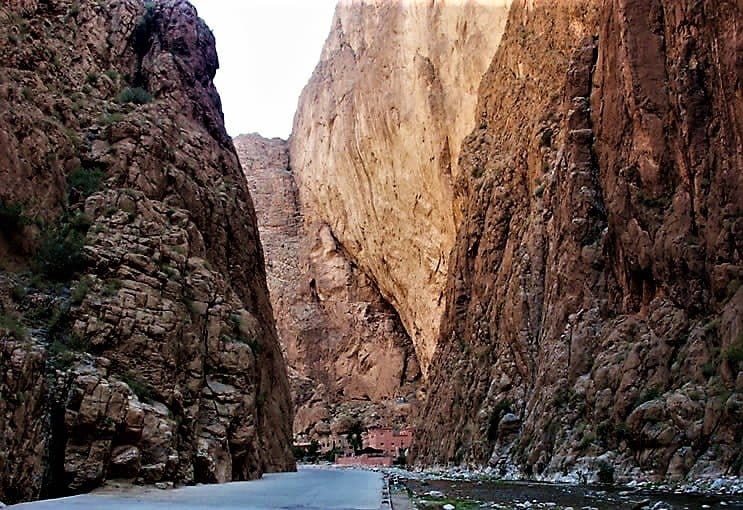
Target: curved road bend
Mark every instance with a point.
(307, 489)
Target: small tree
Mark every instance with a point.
(355, 437)
(313, 450)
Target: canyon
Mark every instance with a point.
(513, 224)
(551, 201)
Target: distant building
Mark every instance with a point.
(391, 441)
(335, 442)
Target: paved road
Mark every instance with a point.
(308, 489)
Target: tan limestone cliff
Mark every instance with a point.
(349, 357)
(376, 141)
(137, 335)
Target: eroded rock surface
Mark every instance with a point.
(593, 317)
(376, 142)
(138, 338)
(350, 359)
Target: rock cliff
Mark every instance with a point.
(593, 319)
(376, 142)
(137, 335)
(350, 360)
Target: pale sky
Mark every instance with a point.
(267, 52)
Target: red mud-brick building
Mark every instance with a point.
(391, 441)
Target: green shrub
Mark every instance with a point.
(85, 181)
(60, 356)
(709, 369)
(112, 118)
(113, 74)
(13, 324)
(135, 95)
(80, 291)
(78, 343)
(588, 439)
(111, 287)
(18, 293)
(60, 255)
(141, 389)
(11, 217)
(81, 222)
(734, 352)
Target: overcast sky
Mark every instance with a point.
(267, 51)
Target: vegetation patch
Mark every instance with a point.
(588, 439)
(13, 324)
(111, 118)
(734, 353)
(85, 181)
(112, 287)
(141, 389)
(61, 357)
(11, 217)
(60, 256)
(134, 95)
(80, 292)
(113, 74)
(709, 369)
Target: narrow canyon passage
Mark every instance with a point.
(504, 239)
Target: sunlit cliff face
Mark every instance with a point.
(377, 135)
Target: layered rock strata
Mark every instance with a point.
(350, 360)
(593, 322)
(137, 335)
(376, 142)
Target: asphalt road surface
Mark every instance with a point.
(308, 489)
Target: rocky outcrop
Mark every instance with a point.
(138, 337)
(349, 357)
(593, 318)
(376, 142)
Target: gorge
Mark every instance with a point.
(513, 224)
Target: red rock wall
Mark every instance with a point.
(594, 307)
(161, 352)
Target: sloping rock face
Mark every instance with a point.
(376, 141)
(349, 357)
(594, 305)
(137, 335)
